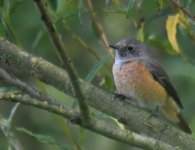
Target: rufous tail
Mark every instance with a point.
(183, 124)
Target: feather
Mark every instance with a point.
(161, 77)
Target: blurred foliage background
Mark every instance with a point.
(168, 32)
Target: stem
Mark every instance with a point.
(184, 10)
(99, 28)
(65, 59)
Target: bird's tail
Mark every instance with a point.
(179, 119)
(183, 124)
(173, 113)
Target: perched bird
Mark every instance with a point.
(137, 75)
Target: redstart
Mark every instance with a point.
(139, 76)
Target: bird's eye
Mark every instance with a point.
(130, 48)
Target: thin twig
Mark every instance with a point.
(80, 41)
(12, 138)
(83, 44)
(99, 28)
(65, 59)
(102, 127)
(184, 10)
(35, 93)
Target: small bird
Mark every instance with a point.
(139, 76)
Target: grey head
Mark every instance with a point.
(129, 49)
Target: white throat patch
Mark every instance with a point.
(121, 62)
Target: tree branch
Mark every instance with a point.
(83, 44)
(13, 57)
(184, 10)
(80, 41)
(101, 127)
(65, 59)
(99, 28)
(35, 93)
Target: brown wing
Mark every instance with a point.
(160, 76)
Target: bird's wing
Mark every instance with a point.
(161, 77)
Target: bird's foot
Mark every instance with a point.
(153, 114)
(119, 96)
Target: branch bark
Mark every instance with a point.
(99, 28)
(13, 57)
(184, 10)
(101, 127)
(65, 59)
(26, 88)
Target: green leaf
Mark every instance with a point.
(116, 2)
(109, 119)
(81, 9)
(188, 3)
(2, 32)
(95, 30)
(37, 39)
(160, 5)
(65, 127)
(13, 111)
(15, 4)
(53, 4)
(95, 69)
(41, 138)
(114, 11)
(4, 122)
(68, 6)
(185, 27)
(6, 22)
(161, 43)
(140, 34)
(164, 12)
(69, 133)
(82, 135)
(6, 6)
(46, 139)
(130, 8)
(5, 30)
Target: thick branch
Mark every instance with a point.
(65, 59)
(12, 57)
(184, 10)
(99, 28)
(101, 127)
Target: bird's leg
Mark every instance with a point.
(154, 114)
(119, 96)
(148, 123)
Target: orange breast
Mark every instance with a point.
(134, 80)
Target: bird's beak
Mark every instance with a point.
(114, 47)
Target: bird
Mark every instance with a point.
(140, 77)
